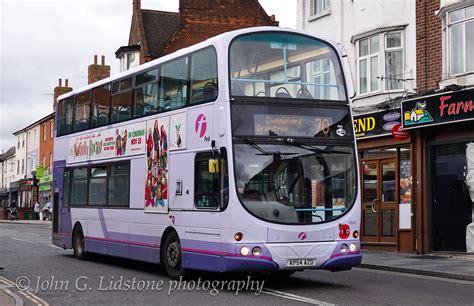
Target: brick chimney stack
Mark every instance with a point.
(60, 90)
(98, 72)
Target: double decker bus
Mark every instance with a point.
(235, 154)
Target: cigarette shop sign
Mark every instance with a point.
(376, 124)
(448, 107)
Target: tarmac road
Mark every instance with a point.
(53, 276)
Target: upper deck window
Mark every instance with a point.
(82, 111)
(284, 65)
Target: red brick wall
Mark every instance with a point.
(202, 19)
(46, 142)
(97, 72)
(428, 45)
(60, 90)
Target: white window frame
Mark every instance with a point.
(51, 129)
(325, 10)
(382, 73)
(368, 58)
(447, 31)
(44, 132)
(392, 49)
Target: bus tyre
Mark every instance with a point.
(78, 244)
(172, 256)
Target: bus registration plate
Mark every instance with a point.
(308, 262)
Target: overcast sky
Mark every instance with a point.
(44, 40)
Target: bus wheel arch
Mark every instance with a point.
(171, 254)
(78, 242)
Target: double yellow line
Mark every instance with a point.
(28, 295)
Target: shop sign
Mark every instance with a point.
(40, 171)
(45, 188)
(46, 179)
(399, 134)
(376, 124)
(35, 194)
(438, 109)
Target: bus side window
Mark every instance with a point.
(146, 94)
(82, 111)
(122, 100)
(65, 116)
(100, 106)
(204, 76)
(174, 84)
(210, 189)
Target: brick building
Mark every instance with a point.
(443, 135)
(414, 187)
(157, 33)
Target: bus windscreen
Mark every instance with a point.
(285, 65)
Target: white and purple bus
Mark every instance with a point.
(235, 154)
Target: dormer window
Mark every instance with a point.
(129, 57)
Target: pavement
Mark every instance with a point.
(458, 266)
(36, 222)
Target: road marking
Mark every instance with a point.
(18, 300)
(28, 294)
(30, 298)
(22, 240)
(295, 297)
(428, 277)
(32, 234)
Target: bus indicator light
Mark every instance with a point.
(238, 236)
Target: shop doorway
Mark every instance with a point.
(450, 201)
(379, 200)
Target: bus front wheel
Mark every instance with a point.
(78, 244)
(172, 256)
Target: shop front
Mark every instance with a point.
(386, 182)
(443, 125)
(45, 189)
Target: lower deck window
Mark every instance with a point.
(98, 185)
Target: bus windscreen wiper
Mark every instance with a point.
(295, 143)
(264, 152)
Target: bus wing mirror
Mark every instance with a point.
(213, 166)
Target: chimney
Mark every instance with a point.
(98, 72)
(60, 90)
(137, 5)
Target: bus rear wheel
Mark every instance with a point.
(78, 244)
(171, 257)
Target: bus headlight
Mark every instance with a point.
(352, 247)
(344, 248)
(257, 251)
(244, 251)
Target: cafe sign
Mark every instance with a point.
(448, 107)
(376, 124)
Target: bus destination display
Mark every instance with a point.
(291, 125)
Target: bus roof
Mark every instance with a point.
(217, 41)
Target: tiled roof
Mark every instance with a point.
(7, 154)
(159, 26)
